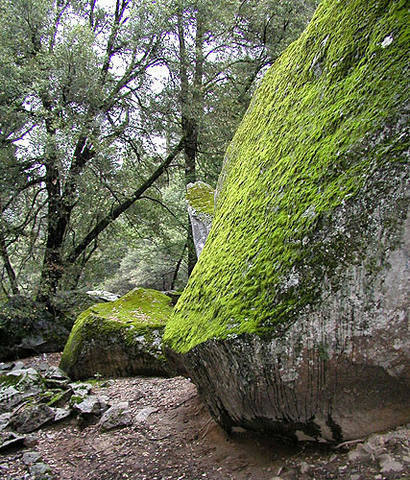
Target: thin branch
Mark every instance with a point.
(29, 184)
(126, 203)
(156, 200)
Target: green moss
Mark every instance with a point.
(52, 398)
(75, 399)
(323, 126)
(200, 197)
(140, 312)
(10, 380)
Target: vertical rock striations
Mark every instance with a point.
(295, 318)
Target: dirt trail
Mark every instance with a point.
(178, 440)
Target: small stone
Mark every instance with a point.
(55, 383)
(304, 467)
(9, 398)
(80, 389)
(31, 440)
(26, 379)
(4, 367)
(102, 295)
(142, 415)
(389, 464)
(362, 453)
(24, 372)
(10, 440)
(93, 405)
(41, 471)
(18, 366)
(56, 373)
(43, 367)
(4, 420)
(61, 414)
(31, 457)
(31, 418)
(118, 416)
(289, 474)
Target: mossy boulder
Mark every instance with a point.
(119, 338)
(294, 319)
(200, 200)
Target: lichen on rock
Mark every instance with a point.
(119, 338)
(301, 293)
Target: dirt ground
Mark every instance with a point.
(179, 440)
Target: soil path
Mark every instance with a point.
(178, 440)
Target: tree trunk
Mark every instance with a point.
(52, 269)
(177, 267)
(191, 104)
(7, 264)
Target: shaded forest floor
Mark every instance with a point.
(177, 439)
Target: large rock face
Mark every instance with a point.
(295, 318)
(119, 338)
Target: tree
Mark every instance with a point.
(79, 113)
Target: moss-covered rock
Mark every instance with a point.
(119, 338)
(200, 199)
(294, 318)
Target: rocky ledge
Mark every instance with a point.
(200, 200)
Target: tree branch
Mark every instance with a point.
(123, 206)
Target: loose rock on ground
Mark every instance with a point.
(172, 436)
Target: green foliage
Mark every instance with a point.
(152, 242)
(324, 126)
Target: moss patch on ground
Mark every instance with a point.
(139, 313)
(326, 122)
